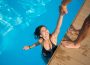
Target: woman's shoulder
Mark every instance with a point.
(53, 35)
(40, 40)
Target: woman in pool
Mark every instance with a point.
(45, 39)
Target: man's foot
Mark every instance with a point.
(69, 44)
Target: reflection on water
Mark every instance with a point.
(16, 12)
(5, 27)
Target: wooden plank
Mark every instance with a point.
(78, 54)
(63, 59)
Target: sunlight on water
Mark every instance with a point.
(11, 17)
(22, 15)
(5, 27)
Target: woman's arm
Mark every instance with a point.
(63, 10)
(34, 45)
(57, 30)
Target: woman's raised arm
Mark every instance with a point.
(63, 10)
(57, 30)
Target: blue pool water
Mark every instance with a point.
(18, 20)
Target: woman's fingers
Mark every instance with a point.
(26, 48)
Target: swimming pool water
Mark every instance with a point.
(18, 20)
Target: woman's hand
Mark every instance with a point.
(26, 47)
(63, 9)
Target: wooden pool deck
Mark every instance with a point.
(81, 56)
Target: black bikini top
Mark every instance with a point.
(53, 45)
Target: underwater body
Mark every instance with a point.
(18, 20)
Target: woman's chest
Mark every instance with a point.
(48, 44)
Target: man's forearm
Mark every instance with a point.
(65, 2)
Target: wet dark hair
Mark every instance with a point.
(37, 31)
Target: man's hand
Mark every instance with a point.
(63, 9)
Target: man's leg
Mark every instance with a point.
(83, 33)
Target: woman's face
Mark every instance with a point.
(44, 33)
